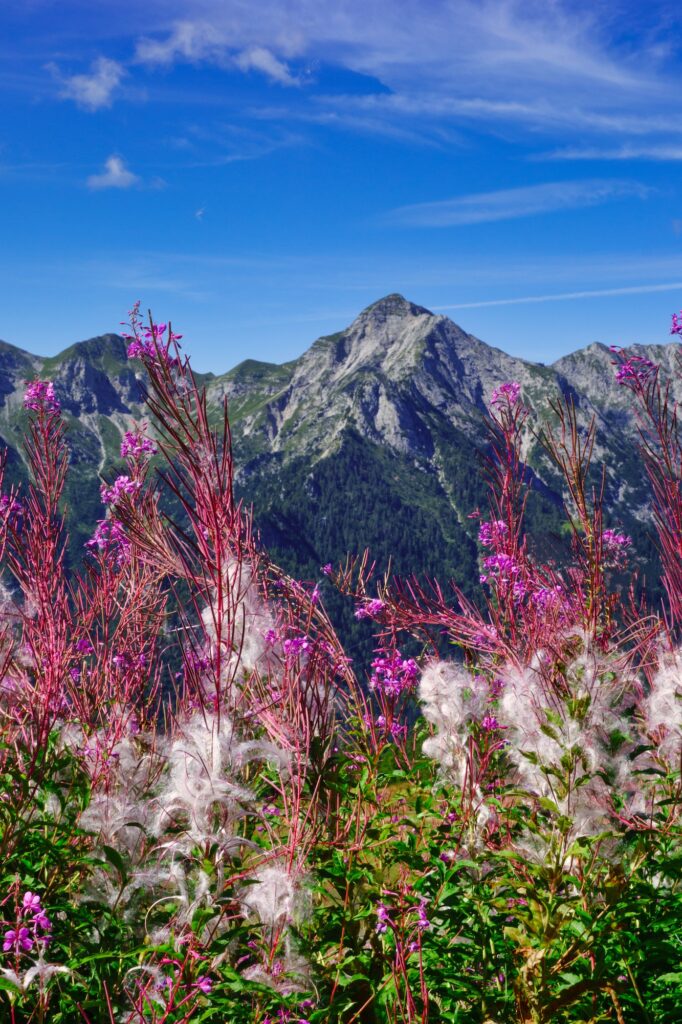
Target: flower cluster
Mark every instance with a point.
(506, 394)
(110, 537)
(295, 645)
(676, 325)
(121, 485)
(500, 569)
(493, 534)
(549, 598)
(35, 931)
(392, 674)
(148, 342)
(632, 369)
(615, 546)
(10, 506)
(370, 609)
(40, 397)
(383, 918)
(134, 445)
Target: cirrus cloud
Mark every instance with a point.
(510, 203)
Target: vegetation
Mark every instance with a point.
(207, 814)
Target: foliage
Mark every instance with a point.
(207, 815)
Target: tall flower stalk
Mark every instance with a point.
(232, 823)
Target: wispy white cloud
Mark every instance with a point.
(95, 90)
(114, 175)
(626, 152)
(219, 144)
(526, 62)
(508, 204)
(189, 40)
(516, 66)
(597, 293)
(257, 58)
(201, 41)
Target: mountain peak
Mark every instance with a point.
(393, 305)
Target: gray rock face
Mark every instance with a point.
(404, 382)
(400, 370)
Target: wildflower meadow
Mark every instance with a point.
(210, 813)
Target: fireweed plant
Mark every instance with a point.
(206, 815)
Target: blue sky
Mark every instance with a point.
(258, 171)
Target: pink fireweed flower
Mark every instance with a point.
(83, 646)
(676, 325)
(10, 506)
(423, 923)
(18, 939)
(137, 348)
(492, 534)
(295, 645)
(489, 723)
(632, 369)
(39, 395)
(369, 609)
(134, 445)
(327, 569)
(615, 547)
(121, 485)
(148, 343)
(383, 918)
(42, 921)
(500, 569)
(393, 674)
(31, 902)
(506, 394)
(547, 598)
(109, 537)
(204, 984)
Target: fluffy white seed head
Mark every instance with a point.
(663, 707)
(276, 896)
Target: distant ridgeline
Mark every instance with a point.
(372, 438)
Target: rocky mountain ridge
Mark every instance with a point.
(372, 437)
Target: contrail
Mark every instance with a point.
(639, 289)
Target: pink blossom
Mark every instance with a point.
(370, 609)
(492, 534)
(109, 536)
(615, 547)
(393, 674)
(121, 485)
(506, 394)
(18, 939)
(9, 506)
(489, 723)
(134, 445)
(383, 918)
(31, 902)
(296, 645)
(423, 922)
(39, 396)
(632, 369)
(500, 568)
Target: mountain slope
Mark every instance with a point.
(373, 437)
